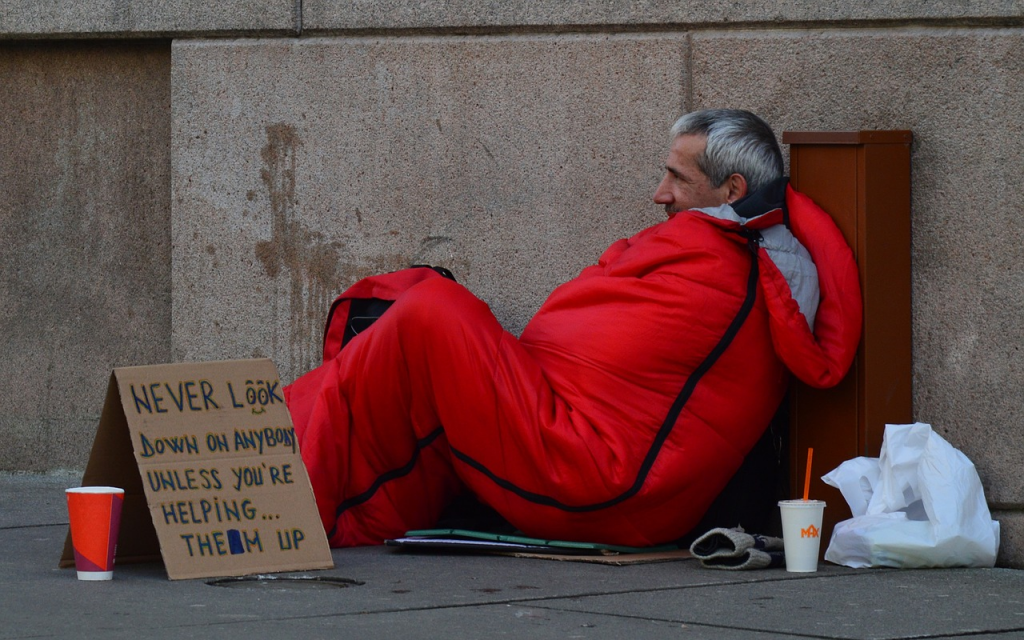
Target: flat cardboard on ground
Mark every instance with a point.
(617, 559)
(519, 546)
(213, 480)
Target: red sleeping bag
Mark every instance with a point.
(621, 412)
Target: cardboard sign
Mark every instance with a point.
(210, 465)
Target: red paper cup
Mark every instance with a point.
(95, 514)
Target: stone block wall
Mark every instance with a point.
(85, 221)
(301, 165)
(192, 181)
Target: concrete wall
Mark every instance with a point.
(311, 143)
(85, 225)
(301, 165)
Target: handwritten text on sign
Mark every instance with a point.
(220, 463)
(198, 395)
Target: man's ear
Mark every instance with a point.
(737, 187)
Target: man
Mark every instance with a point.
(630, 399)
(712, 154)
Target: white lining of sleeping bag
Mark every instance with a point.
(792, 259)
(797, 267)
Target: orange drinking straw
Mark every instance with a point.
(807, 478)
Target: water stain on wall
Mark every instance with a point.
(304, 263)
(303, 257)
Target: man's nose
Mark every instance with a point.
(663, 195)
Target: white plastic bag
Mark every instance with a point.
(920, 504)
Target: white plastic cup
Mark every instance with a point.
(801, 533)
(95, 514)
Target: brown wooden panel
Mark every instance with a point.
(884, 262)
(827, 420)
(828, 175)
(847, 137)
(862, 179)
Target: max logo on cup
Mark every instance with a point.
(810, 532)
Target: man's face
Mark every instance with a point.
(685, 186)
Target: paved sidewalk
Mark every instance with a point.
(403, 595)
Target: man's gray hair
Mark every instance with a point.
(738, 142)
